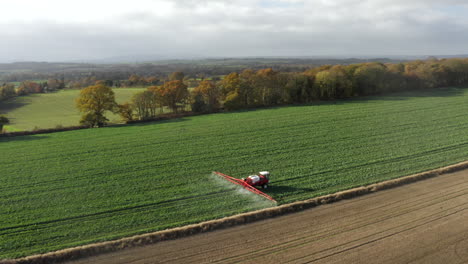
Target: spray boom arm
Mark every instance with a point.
(244, 185)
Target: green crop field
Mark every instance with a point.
(52, 109)
(70, 188)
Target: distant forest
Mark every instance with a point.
(27, 71)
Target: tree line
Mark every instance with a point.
(267, 87)
(79, 72)
(251, 88)
(8, 90)
(95, 100)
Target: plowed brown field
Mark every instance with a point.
(424, 222)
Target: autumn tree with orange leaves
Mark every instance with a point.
(172, 94)
(206, 97)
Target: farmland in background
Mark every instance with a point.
(71, 188)
(52, 109)
(16, 84)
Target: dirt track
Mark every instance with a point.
(424, 222)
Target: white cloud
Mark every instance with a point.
(55, 30)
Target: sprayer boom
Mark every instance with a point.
(245, 185)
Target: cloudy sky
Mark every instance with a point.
(60, 30)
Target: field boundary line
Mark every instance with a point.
(160, 118)
(230, 221)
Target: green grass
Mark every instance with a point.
(70, 188)
(52, 109)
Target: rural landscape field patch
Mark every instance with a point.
(70, 188)
(52, 109)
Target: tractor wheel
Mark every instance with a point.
(264, 186)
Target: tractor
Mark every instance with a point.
(261, 179)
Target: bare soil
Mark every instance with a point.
(423, 222)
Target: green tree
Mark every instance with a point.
(458, 71)
(198, 103)
(3, 121)
(396, 77)
(145, 104)
(126, 111)
(248, 92)
(298, 89)
(93, 102)
(230, 84)
(326, 84)
(230, 90)
(268, 87)
(371, 78)
(7, 91)
(334, 83)
(233, 101)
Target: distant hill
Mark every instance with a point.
(151, 65)
(115, 68)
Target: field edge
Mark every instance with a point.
(230, 221)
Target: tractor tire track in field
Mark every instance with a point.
(383, 161)
(39, 225)
(424, 222)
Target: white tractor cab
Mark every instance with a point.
(261, 179)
